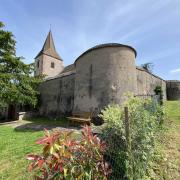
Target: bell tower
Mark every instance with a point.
(48, 61)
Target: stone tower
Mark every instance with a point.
(103, 74)
(48, 61)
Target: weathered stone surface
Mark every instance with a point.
(103, 75)
(48, 61)
(43, 66)
(99, 77)
(147, 82)
(57, 96)
(173, 90)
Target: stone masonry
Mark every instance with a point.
(98, 77)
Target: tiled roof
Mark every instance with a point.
(49, 48)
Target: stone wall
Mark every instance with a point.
(38, 65)
(57, 95)
(103, 75)
(100, 77)
(173, 90)
(43, 66)
(147, 82)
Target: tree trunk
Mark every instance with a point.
(12, 115)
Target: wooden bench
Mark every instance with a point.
(81, 118)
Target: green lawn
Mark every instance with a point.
(63, 122)
(173, 111)
(16, 143)
(167, 164)
(14, 146)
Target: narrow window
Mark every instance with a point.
(38, 64)
(90, 80)
(52, 64)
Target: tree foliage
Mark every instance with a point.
(148, 66)
(17, 84)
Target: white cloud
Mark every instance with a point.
(175, 71)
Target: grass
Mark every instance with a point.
(173, 111)
(167, 161)
(15, 145)
(63, 122)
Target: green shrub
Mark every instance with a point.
(67, 158)
(114, 135)
(158, 91)
(144, 118)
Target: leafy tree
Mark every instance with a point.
(148, 66)
(18, 86)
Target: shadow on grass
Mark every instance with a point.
(54, 121)
(34, 127)
(40, 123)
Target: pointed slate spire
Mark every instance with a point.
(49, 48)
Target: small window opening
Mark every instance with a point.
(38, 64)
(52, 64)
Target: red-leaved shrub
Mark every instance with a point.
(65, 157)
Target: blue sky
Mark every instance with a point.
(152, 27)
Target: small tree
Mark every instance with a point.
(17, 84)
(148, 66)
(158, 90)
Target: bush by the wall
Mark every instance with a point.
(158, 91)
(144, 118)
(114, 135)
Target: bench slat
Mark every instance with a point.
(79, 119)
